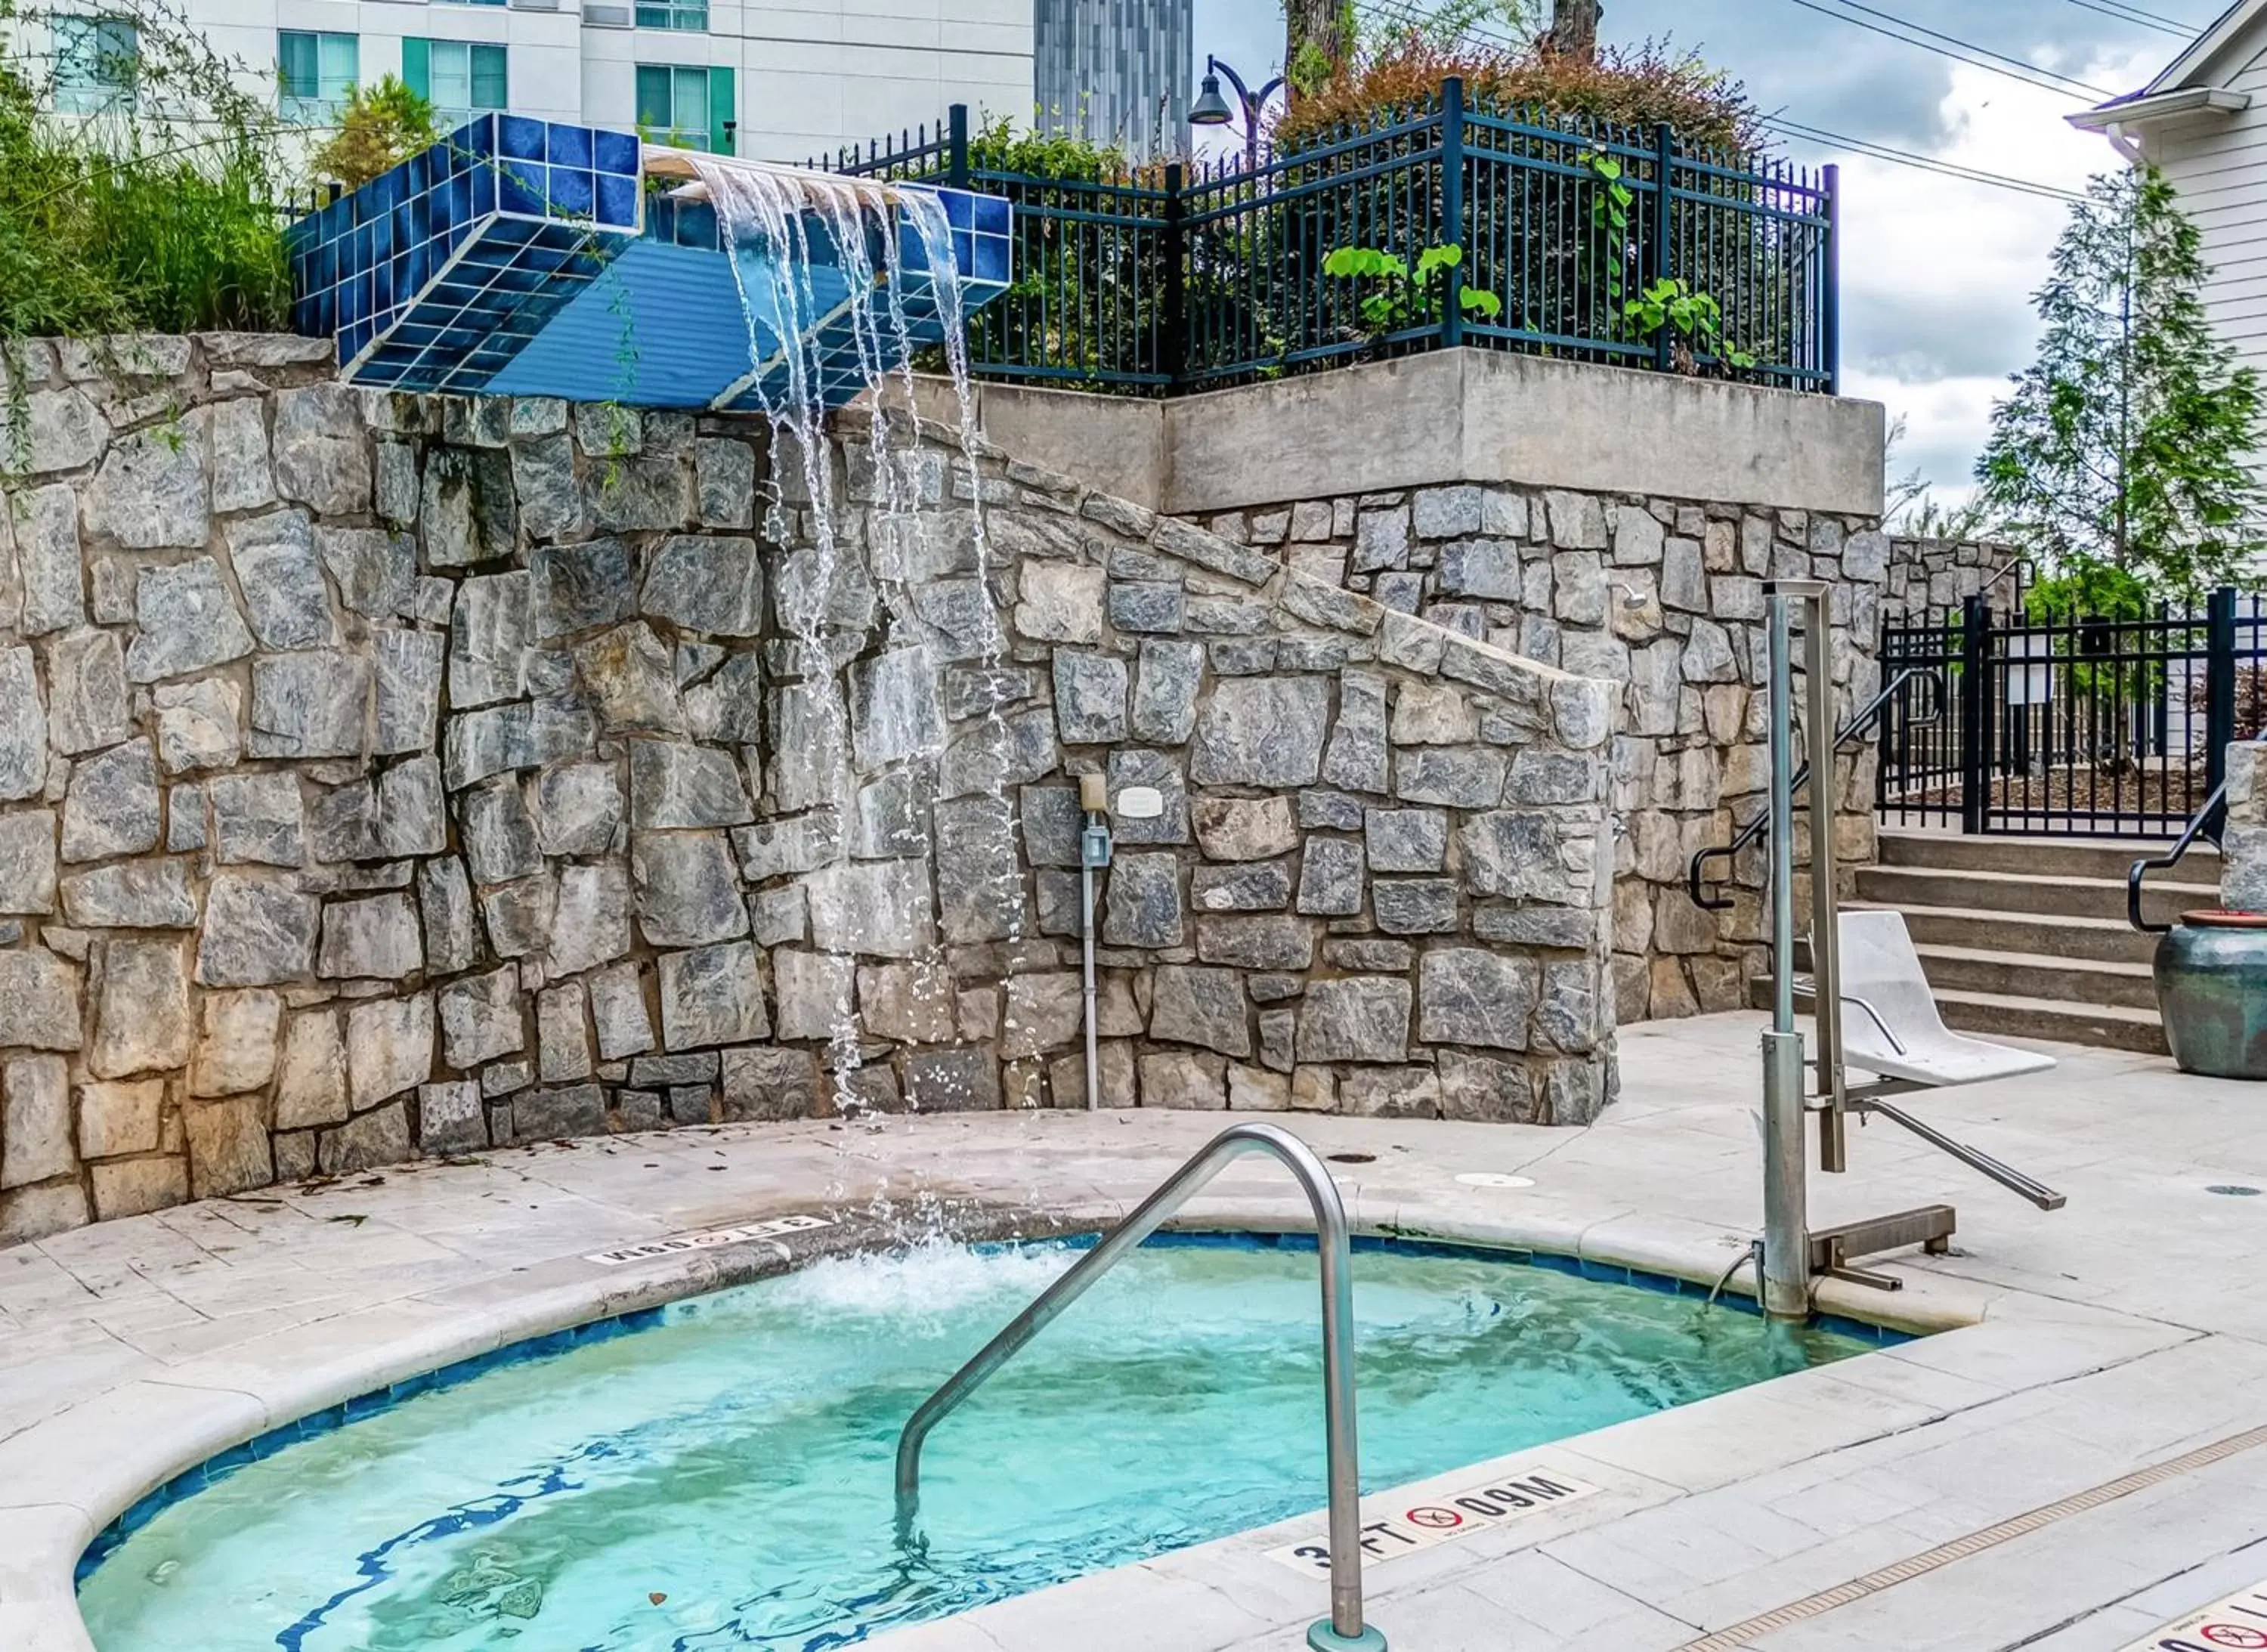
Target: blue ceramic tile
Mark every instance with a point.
(520, 138)
(569, 145)
(572, 192)
(616, 152)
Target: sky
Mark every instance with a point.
(1937, 274)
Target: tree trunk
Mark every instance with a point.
(1574, 30)
(1317, 41)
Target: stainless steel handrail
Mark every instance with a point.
(1345, 1630)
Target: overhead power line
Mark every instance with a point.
(1404, 11)
(1975, 56)
(2125, 13)
(1925, 163)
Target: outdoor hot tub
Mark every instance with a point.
(717, 1472)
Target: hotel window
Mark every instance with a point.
(316, 72)
(95, 63)
(459, 78)
(689, 107)
(673, 14)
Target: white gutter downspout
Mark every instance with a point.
(2116, 133)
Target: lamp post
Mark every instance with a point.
(1211, 108)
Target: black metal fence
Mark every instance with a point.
(1181, 277)
(2074, 723)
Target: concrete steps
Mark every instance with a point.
(2027, 938)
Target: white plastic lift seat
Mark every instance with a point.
(1889, 1021)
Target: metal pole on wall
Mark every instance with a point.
(1825, 939)
(1786, 1218)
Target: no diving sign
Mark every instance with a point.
(708, 1240)
(2238, 1624)
(1420, 1525)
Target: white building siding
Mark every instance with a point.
(2219, 167)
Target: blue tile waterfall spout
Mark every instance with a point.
(527, 257)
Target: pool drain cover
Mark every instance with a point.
(1494, 1178)
(1353, 1158)
(2227, 1191)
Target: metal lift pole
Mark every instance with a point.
(1786, 1218)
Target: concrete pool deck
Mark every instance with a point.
(2108, 1377)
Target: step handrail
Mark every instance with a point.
(2205, 824)
(1696, 877)
(1335, 1247)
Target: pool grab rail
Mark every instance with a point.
(1345, 1630)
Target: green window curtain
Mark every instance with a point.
(724, 112)
(417, 67)
(491, 78)
(295, 60)
(653, 100)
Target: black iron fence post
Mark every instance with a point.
(2219, 698)
(1975, 714)
(1452, 209)
(956, 172)
(1661, 250)
(1173, 345)
(1830, 300)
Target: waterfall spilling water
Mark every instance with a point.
(791, 237)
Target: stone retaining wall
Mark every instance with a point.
(1664, 595)
(382, 777)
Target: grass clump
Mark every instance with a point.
(142, 185)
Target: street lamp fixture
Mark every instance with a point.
(1212, 109)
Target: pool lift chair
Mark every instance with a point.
(1863, 962)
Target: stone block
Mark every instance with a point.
(1391, 1092)
(407, 671)
(450, 1119)
(184, 621)
(908, 1003)
(35, 1120)
(1257, 887)
(373, 939)
(480, 1018)
(684, 890)
(571, 588)
(135, 1187)
(1460, 777)
(711, 995)
(142, 1022)
(470, 508)
(1141, 903)
(367, 1141)
(1256, 943)
(1468, 995)
(283, 583)
(389, 1047)
(1165, 692)
(1185, 1080)
(875, 908)
(578, 807)
(1044, 1011)
(617, 1011)
(1357, 1019)
(152, 492)
(1246, 829)
(518, 915)
(592, 925)
(50, 562)
(952, 1081)
(562, 1034)
(23, 727)
(1200, 1006)
(228, 1146)
(445, 902)
(36, 1212)
(28, 861)
(310, 1075)
(258, 819)
(64, 430)
(489, 631)
(1415, 905)
(374, 568)
(713, 584)
(1446, 513)
(895, 712)
(1332, 877)
(1406, 840)
(116, 1118)
(771, 1085)
(995, 756)
(237, 1043)
(321, 448)
(1356, 759)
(631, 679)
(310, 704)
(1062, 602)
(1090, 697)
(1261, 731)
(199, 724)
(815, 993)
(86, 691)
(112, 807)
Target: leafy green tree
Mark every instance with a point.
(380, 127)
(2129, 443)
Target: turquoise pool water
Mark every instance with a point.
(723, 1479)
